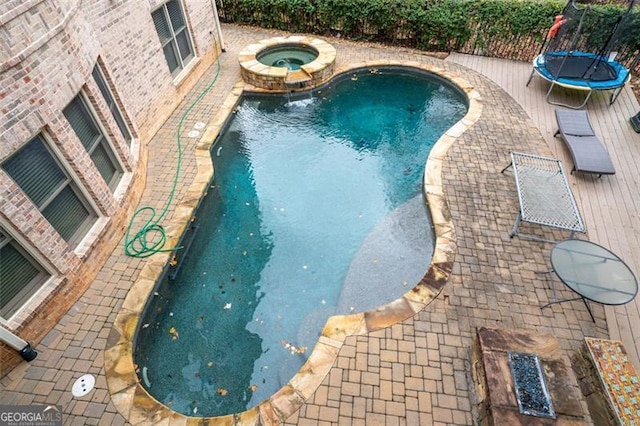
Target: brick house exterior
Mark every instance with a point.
(83, 88)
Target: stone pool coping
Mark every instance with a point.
(138, 406)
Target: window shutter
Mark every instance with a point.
(104, 164)
(170, 55)
(66, 213)
(16, 273)
(78, 116)
(92, 138)
(183, 45)
(43, 180)
(35, 170)
(161, 25)
(174, 35)
(111, 102)
(175, 15)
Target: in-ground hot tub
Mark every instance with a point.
(289, 56)
(287, 63)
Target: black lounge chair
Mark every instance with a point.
(588, 152)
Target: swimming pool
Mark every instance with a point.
(297, 212)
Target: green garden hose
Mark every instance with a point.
(151, 238)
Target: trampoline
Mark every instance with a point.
(580, 71)
(587, 50)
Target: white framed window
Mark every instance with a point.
(115, 110)
(21, 275)
(45, 181)
(93, 139)
(174, 35)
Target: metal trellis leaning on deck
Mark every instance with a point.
(544, 195)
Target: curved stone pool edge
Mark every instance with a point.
(135, 403)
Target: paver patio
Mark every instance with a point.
(609, 205)
(416, 372)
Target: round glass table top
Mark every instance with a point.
(594, 272)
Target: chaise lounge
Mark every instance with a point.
(588, 152)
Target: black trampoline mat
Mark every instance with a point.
(580, 67)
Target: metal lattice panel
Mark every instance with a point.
(544, 193)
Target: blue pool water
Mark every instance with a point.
(290, 56)
(316, 209)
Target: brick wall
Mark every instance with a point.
(47, 52)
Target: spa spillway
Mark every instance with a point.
(287, 63)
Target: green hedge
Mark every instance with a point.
(512, 29)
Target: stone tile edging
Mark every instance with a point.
(281, 79)
(139, 407)
(609, 381)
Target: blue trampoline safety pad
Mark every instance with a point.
(581, 64)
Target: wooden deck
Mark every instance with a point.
(609, 205)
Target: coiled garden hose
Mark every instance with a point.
(151, 237)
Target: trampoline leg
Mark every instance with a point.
(530, 77)
(566, 105)
(615, 94)
(585, 100)
(549, 93)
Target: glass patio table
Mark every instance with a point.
(593, 272)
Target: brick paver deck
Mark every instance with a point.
(610, 205)
(416, 372)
